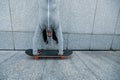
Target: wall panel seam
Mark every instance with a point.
(11, 24)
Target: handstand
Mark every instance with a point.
(49, 27)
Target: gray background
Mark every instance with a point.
(86, 24)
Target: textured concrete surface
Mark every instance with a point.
(87, 24)
(5, 22)
(82, 65)
(77, 41)
(116, 43)
(6, 40)
(101, 42)
(82, 16)
(105, 20)
(23, 40)
(24, 14)
(65, 15)
(118, 24)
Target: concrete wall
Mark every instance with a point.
(86, 24)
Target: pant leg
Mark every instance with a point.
(54, 15)
(60, 39)
(37, 40)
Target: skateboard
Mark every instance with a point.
(49, 53)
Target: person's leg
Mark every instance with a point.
(37, 40)
(60, 40)
(42, 9)
(55, 20)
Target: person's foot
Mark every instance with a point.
(38, 54)
(60, 53)
(39, 51)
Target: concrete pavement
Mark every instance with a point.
(83, 65)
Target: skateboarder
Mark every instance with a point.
(49, 27)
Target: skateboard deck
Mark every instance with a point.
(49, 53)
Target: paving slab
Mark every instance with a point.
(82, 65)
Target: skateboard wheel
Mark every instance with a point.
(62, 57)
(36, 57)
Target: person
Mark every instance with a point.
(49, 27)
